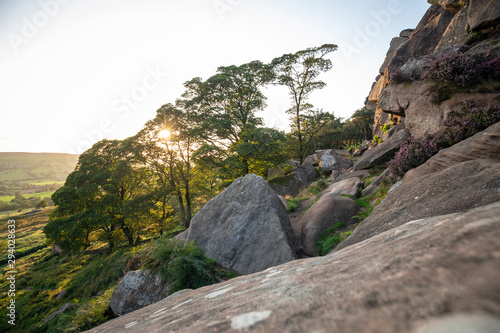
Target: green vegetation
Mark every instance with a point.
(330, 238)
(294, 203)
(185, 265)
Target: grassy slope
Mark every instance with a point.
(88, 280)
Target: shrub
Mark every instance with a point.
(328, 239)
(185, 265)
(459, 125)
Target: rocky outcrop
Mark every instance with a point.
(350, 186)
(413, 278)
(245, 228)
(136, 290)
(483, 145)
(332, 162)
(329, 210)
(294, 180)
(451, 5)
(455, 189)
(455, 34)
(483, 14)
(383, 152)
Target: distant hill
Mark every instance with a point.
(38, 167)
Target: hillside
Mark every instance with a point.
(32, 177)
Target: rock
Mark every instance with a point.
(284, 201)
(423, 40)
(455, 34)
(462, 323)
(182, 236)
(349, 186)
(294, 180)
(376, 90)
(455, 189)
(245, 228)
(361, 149)
(483, 14)
(419, 273)
(383, 152)
(136, 290)
(406, 33)
(421, 115)
(331, 161)
(451, 5)
(396, 42)
(483, 145)
(351, 174)
(311, 160)
(61, 294)
(325, 213)
(375, 185)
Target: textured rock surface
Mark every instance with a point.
(136, 290)
(451, 5)
(323, 214)
(483, 145)
(383, 152)
(349, 186)
(294, 180)
(396, 42)
(331, 161)
(375, 185)
(405, 280)
(483, 14)
(245, 228)
(458, 188)
(455, 34)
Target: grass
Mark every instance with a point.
(89, 281)
(294, 203)
(330, 238)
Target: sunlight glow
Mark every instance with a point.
(164, 134)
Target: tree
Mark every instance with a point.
(42, 204)
(226, 105)
(298, 72)
(95, 198)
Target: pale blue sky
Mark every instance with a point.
(75, 71)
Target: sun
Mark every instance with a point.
(164, 134)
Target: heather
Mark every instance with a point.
(459, 125)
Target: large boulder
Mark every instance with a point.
(330, 161)
(349, 186)
(136, 290)
(483, 14)
(483, 145)
(245, 228)
(325, 213)
(376, 184)
(408, 279)
(383, 152)
(294, 180)
(396, 42)
(455, 189)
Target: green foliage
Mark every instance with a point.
(377, 139)
(294, 203)
(385, 128)
(185, 265)
(329, 239)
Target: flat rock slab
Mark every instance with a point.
(383, 152)
(349, 186)
(402, 280)
(455, 189)
(245, 228)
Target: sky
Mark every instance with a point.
(73, 72)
